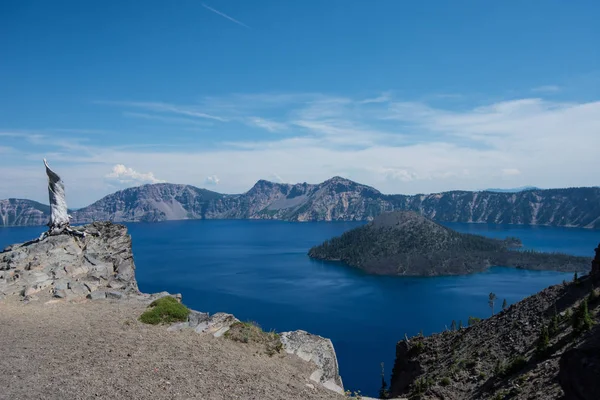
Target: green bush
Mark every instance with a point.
(514, 366)
(251, 332)
(582, 320)
(445, 381)
(417, 348)
(543, 342)
(473, 320)
(165, 310)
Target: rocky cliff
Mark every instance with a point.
(544, 347)
(19, 212)
(407, 243)
(334, 199)
(100, 267)
(66, 266)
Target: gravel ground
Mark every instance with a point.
(98, 350)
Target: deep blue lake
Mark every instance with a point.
(259, 270)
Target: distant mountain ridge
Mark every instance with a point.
(332, 200)
(513, 190)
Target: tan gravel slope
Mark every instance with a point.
(98, 350)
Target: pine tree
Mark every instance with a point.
(593, 297)
(504, 305)
(460, 325)
(491, 300)
(575, 277)
(543, 341)
(383, 391)
(453, 326)
(582, 320)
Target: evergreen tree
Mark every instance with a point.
(575, 278)
(453, 326)
(593, 297)
(491, 300)
(543, 341)
(460, 325)
(383, 391)
(582, 320)
(504, 305)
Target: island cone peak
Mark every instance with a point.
(404, 219)
(406, 243)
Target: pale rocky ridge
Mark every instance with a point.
(336, 199)
(19, 212)
(100, 267)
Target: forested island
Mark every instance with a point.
(406, 243)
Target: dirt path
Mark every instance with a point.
(98, 350)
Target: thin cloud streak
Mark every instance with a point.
(225, 16)
(546, 89)
(164, 108)
(161, 118)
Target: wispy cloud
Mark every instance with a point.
(546, 89)
(385, 97)
(190, 111)
(225, 16)
(168, 120)
(271, 126)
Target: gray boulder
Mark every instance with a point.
(217, 324)
(320, 351)
(195, 318)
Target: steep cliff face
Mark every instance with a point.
(19, 212)
(334, 199)
(578, 207)
(506, 356)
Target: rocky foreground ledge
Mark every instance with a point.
(100, 268)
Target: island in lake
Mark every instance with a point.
(406, 243)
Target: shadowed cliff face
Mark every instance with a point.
(502, 357)
(334, 199)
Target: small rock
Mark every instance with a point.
(62, 284)
(196, 317)
(61, 294)
(114, 295)
(178, 327)
(116, 285)
(97, 295)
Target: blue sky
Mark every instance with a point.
(406, 96)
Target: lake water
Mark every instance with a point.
(259, 270)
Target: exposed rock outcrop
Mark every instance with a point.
(320, 351)
(334, 199)
(67, 266)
